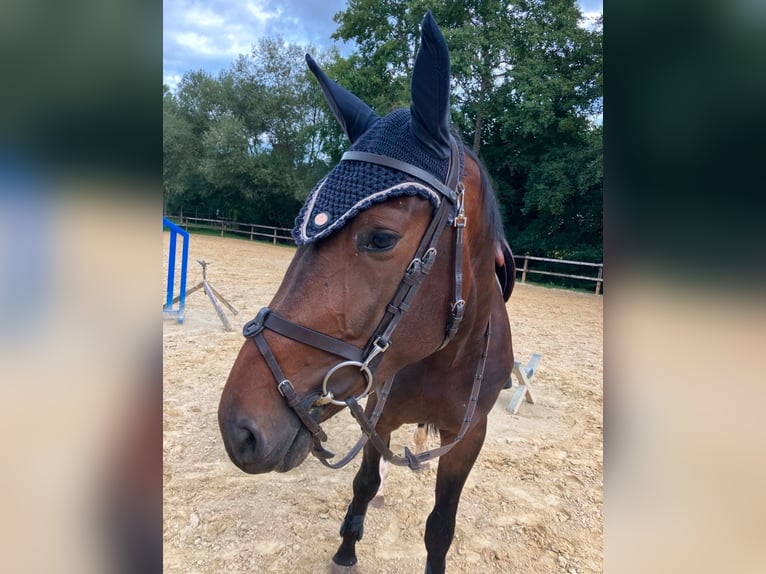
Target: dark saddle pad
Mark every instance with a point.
(506, 273)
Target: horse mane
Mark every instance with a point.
(491, 207)
(506, 273)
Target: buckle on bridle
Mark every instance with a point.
(428, 259)
(288, 385)
(421, 264)
(460, 218)
(376, 350)
(414, 266)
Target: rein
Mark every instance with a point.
(413, 461)
(368, 358)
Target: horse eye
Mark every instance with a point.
(380, 241)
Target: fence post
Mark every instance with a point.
(275, 236)
(251, 232)
(222, 228)
(524, 271)
(598, 283)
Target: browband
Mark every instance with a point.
(412, 170)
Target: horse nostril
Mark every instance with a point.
(247, 436)
(243, 436)
(243, 441)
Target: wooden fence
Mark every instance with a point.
(524, 269)
(282, 235)
(250, 230)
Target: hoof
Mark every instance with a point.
(378, 501)
(339, 569)
(343, 565)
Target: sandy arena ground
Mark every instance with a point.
(532, 504)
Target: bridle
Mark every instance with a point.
(368, 358)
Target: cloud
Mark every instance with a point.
(211, 34)
(260, 14)
(194, 42)
(226, 45)
(203, 17)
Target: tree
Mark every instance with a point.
(387, 34)
(273, 79)
(546, 146)
(478, 33)
(527, 84)
(180, 167)
(247, 143)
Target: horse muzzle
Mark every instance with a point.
(254, 452)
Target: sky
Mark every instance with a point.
(210, 34)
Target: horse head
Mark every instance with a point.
(351, 312)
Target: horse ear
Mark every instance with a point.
(430, 90)
(354, 116)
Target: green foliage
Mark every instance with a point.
(247, 144)
(387, 34)
(527, 85)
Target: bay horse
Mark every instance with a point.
(397, 293)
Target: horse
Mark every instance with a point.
(396, 293)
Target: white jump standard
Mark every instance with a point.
(524, 374)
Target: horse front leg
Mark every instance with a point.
(451, 475)
(366, 483)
